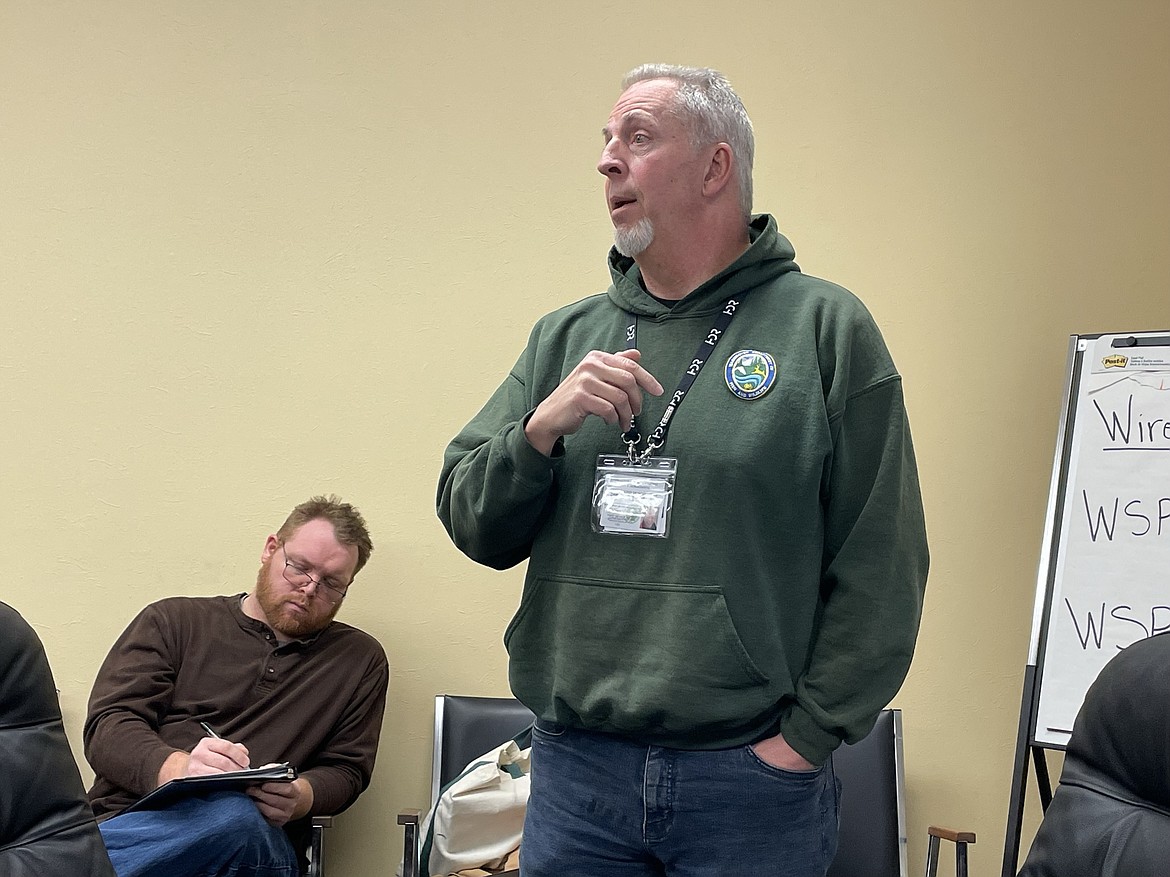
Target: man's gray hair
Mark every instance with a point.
(713, 112)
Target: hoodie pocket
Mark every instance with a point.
(633, 657)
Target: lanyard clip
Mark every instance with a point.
(632, 452)
(631, 439)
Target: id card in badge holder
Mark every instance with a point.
(633, 498)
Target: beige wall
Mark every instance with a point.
(252, 251)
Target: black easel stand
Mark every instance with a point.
(1024, 736)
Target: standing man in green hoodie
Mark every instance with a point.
(710, 472)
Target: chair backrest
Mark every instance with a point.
(467, 727)
(872, 840)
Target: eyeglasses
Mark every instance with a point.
(297, 576)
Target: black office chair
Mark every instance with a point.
(872, 838)
(467, 727)
(46, 825)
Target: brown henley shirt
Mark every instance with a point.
(185, 660)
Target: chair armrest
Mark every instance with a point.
(959, 838)
(965, 837)
(408, 819)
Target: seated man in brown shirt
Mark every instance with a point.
(273, 676)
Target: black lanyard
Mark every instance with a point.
(658, 438)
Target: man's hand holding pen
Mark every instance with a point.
(213, 754)
(277, 802)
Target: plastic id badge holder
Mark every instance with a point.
(632, 497)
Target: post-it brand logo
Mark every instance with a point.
(1115, 361)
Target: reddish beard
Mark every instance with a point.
(274, 601)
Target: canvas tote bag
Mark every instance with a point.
(479, 817)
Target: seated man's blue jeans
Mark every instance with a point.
(219, 835)
(601, 806)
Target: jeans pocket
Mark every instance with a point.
(782, 772)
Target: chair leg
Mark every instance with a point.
(959, 838)
(408, 819)
(317, 846)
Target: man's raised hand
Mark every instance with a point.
(605, 385)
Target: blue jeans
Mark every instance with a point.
(601, 806)
(218, 835)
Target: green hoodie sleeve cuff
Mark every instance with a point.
(528, 463)
(807, 737)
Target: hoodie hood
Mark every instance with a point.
(1121, 739)
(768, 255)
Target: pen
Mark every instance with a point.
(206, 727)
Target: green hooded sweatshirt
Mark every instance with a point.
(788, 592)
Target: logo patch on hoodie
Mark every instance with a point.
(750, 373)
